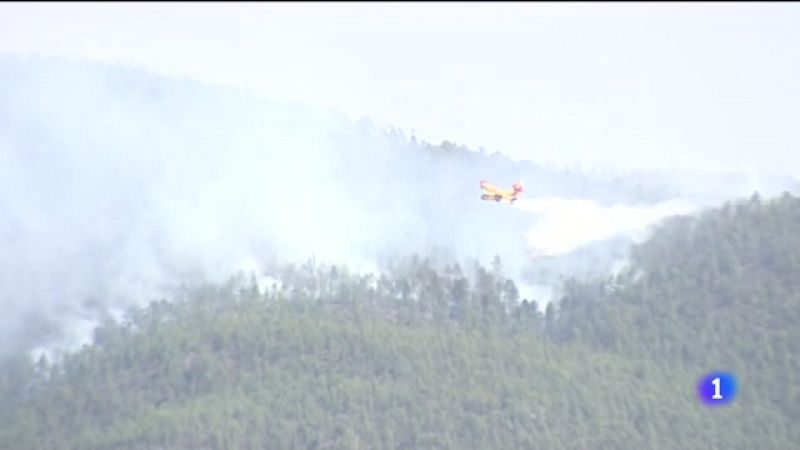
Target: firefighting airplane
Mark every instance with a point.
(492, 192)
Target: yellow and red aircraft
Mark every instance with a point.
(492, 192)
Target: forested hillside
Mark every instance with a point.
(718, 291)
(120, 181)
(433, 355)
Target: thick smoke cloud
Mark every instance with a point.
(117, 185)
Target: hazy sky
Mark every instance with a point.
(687, 85)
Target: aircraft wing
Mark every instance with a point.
(492, 192)
(492, 189)
(495, 190)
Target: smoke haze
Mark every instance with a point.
(117, 185)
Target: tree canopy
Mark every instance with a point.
(429, 354)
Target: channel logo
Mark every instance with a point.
(717, 388)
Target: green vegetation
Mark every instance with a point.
(430, 355)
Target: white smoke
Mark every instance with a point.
(563, 225)
(116, 186)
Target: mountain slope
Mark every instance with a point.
(123, 182)
(237, 370)
(428, 355)
(719, 291)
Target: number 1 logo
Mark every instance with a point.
(717, 395)
(717, 388)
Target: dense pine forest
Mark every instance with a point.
(433, 355)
